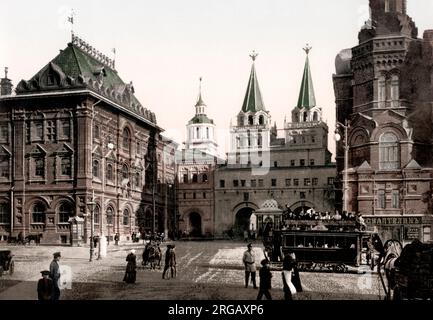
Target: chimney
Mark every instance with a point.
(5, 85)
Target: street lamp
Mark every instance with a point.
(345, 140)
(92, 205)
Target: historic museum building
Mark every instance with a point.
(75, 140)
(384, 99)
(265, 172)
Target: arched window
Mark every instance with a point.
(205, 178)
(305, 116)
(261, 120)
(38, 213)
(241, 121)
(125, 172)
(197, 130)
(126, 139)
(110, 214)
(5, 215)
(315, 116)
(259, 140)
(137, 179)
(388, 152)
(96, 215)
(65, 212)
(194, 178)
(126, 217)
(207, 133)
(250, 120)
(95, 168)
(109, 172)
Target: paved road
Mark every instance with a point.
(206, 271)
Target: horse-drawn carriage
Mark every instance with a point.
(408, 270)
(6, 262)
(152, 255)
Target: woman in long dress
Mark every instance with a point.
(131, 273)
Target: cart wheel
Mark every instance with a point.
(12, 268)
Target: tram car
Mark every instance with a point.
(322, 249)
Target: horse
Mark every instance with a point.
(154, 257)
(389, 255)
(152, 254)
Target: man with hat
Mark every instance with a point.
(45, 286)
(55, 275)
(249, 261)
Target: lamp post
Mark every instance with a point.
(91, 205)
(345, 140)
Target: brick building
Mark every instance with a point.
(76, 132)
(384, 93)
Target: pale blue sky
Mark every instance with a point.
(164, 46)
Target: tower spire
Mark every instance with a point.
(253, 101)
(307, 97)
(200, 105)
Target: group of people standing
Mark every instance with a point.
(131, 266)
(49, 285)
(290, 275)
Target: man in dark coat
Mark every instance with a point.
(55, 275)
(45, 286)
(265, 281)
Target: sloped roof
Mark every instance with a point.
(307, 98)
(80, 66)
(253, 101)
(413, 165)
(200, 118)
(364, 166)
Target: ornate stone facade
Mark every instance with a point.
(383, 88)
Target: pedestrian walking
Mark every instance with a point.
(265, 281)
(116, 239)
(131, 267)
(245, 235)
(45, 287)
(287, 275)
(249, 261)
(170, 261)
(55, 275)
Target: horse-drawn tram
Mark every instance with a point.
(331, 246)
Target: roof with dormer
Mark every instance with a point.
(253, 101)
(307, 98)
(81, 66)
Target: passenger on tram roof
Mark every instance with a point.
(337, 216)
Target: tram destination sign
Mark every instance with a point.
(393, 221)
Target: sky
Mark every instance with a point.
(165, 46)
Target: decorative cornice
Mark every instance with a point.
(87, 48)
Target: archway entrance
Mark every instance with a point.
(195, 224)
(243, 221)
